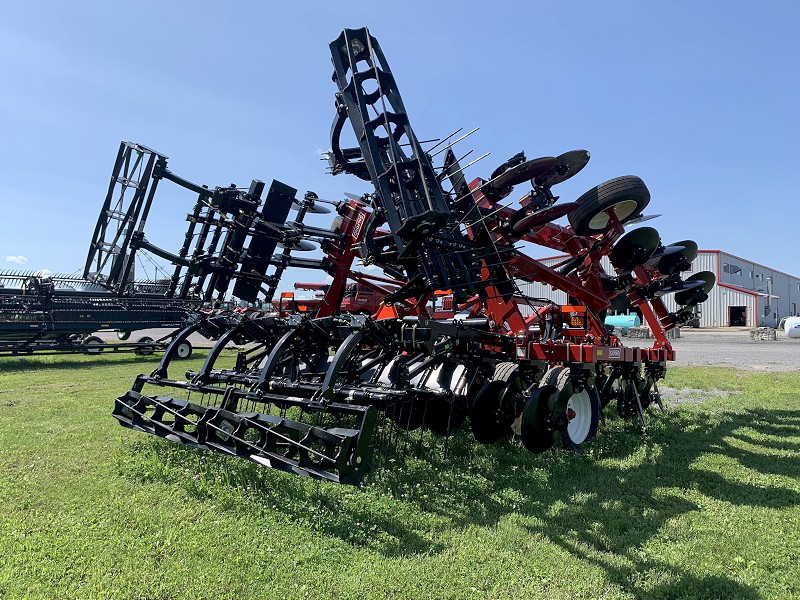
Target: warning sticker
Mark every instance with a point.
(614, 353)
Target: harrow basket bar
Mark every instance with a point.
(336, 454)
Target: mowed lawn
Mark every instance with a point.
(706, 506)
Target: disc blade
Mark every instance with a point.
(690, 248)
(698, 294)
(635, 248)
(566, 165)
(537, 435)
(409, 414)
(640, 219)
(678, 261)
(443, 416)
(666, 251)
(524, 220)
(523, 172)
(314, 208)
(300, 245)
(681, 286)
(620, 304)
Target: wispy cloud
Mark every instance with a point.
(20, 260)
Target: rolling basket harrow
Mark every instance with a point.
(316, 394)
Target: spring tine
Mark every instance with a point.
(443, 140)
(450, 145)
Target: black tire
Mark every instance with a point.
(123, 335)
(495, 407)
(145, 350)
(184, 350)
(537, 436)
(93, 345)
(584, 406)
(627, 194)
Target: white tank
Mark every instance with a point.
(791, 325)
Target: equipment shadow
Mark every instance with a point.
(582, 501)
(412, 498)
(12, 364)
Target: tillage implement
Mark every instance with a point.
(318, 394)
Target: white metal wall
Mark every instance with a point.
(714, 311)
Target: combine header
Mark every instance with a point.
(317, 395)
(230, 241)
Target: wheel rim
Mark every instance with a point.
(579, 413)
(622, 209)
(183, 350)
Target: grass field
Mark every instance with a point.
(707, 506)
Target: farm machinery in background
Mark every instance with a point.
(319, 395)
(358, 298)
(59, 313)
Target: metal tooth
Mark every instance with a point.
(450, 145)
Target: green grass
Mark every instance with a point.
(707, 506)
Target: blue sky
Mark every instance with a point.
(698, 99)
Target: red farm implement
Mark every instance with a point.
(316, 393)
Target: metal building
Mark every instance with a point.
(747, 293)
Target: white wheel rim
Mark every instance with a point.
(183, 350)
(622, 209)
(581, 423)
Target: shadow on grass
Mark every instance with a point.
(609, 498)
(617, 510)
(66, 362)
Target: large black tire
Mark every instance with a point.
(628, 195)
(145, 350)
(537, 436)
(582, 407)
(93, 345)
(495, 406)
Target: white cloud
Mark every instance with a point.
(20, 260)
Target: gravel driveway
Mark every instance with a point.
(734, 348)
